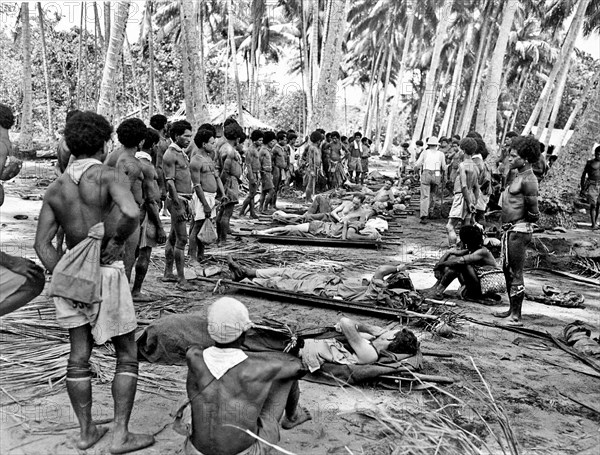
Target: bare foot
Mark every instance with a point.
(131, 442)
(183, 285)
(141, 297)
(94, 435)
(302, 415)
(169, 278)
(502, 314)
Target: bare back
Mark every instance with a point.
(237, 398)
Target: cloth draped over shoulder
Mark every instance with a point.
(77, 168)
(77, 274)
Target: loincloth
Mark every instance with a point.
(148, 234)
(10, 282)
(211, 199)
(266, 180)
(593, 192)
(186, 201)
(113, 316)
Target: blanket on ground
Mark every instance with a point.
(167, 339)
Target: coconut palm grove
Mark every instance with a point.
(300, 226)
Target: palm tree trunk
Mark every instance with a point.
(430, 120)
(26, 137)
(188, 95)
(560, 89)
(408, 32)
(428, 96)
(492, 87)
(325, 25)
(314, 59)
(306, 70)
(582, 98)
(46, 75)
(97, 28)
(115, 47)
(383, 101)
(150, 38)
(565, 54)
(482, 51)
(520, 98)
(375, 94)
(457, 88)
(446, 127)
(559, 188)
(192, 54)
(106, 27)
(80, 56)
(136, 84)
(325, 102)
(235, 66)
(375, 65)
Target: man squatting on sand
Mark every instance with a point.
(96, 209)
(230, 389)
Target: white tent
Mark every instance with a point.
(218, 114)
(555, 137)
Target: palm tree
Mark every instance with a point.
(565, 55)
(231, 34)
(26, 138)
(489, 102)
(325, 101)
(113, 52)
(46, 71)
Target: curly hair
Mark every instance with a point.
(471, 236)
(209, 127)
(468, 145)
(232, 131)
(528, 148)
(131, 132)
(178, 128)
(316, 137)
(404, 342)
(158, 121)
(152, 138)
(268, 137)
(256, 135)
(202, 137)
(7, 118)
(86, 133)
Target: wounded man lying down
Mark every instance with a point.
(389, 286)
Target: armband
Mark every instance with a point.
(197, 185)
(533, 216)
(170, 178)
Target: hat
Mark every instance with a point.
(227, 319)
(432, 141)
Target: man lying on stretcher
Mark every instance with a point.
(389, 285)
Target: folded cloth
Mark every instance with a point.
(10, 282)
(143, 156)
(77, 168)
(316, 352)
(211, 198)
(219, 361)
(113, 316)
(77, 274)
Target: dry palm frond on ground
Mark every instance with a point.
(587, 267)
(440, 424)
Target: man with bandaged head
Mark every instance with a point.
(228, 388)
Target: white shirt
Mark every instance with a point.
(432, 160)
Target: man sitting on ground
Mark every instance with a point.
(388, 283)
(474, 266)
(365, 341)
(224, 380)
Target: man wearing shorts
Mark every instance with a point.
(591, 190)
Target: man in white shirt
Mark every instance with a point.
(433, 164)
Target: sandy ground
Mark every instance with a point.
(516, 369)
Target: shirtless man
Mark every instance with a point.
(278, 157)
(468, 264)
(231, 172)
(152, 232)
(93, 204)
(21, 280)
(591, 190)
(179, 201)
(158, 122)
(336, 170)
(354, 152)
(132, 134)
(206, 182)
(519, 211)
(231, 389)
(385, 193)
(313, 164)
(350, 210)
(266, 171)
(252, 172)
(466, 191)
